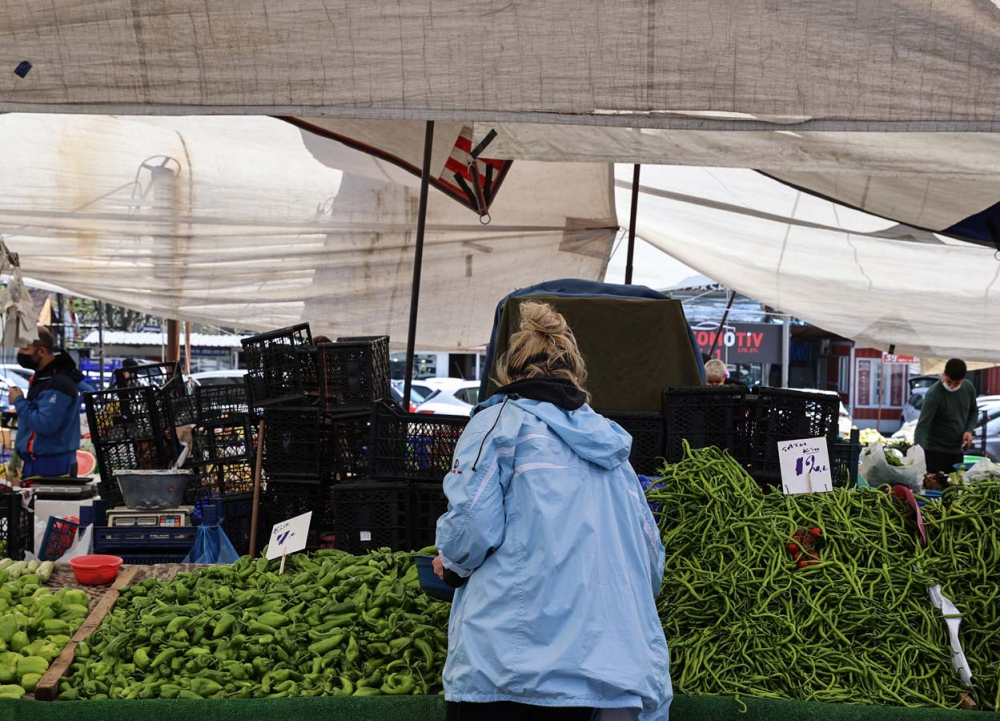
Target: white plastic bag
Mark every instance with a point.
(877, 471)
(981, 471)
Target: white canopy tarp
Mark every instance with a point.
(234, 221)
(843, 270)
(831, 64)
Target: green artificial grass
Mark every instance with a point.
(431, 708)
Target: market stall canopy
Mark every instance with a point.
(942, 182)
(234, 221)
(832, 64)
(851, 273)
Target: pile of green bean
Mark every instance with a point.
(851, 624)
(963, 554)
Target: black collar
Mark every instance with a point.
(557, 391)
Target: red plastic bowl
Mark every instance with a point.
(95, 570)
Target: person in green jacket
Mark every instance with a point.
(947, 419)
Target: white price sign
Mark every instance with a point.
(805, 466)
(289, 536)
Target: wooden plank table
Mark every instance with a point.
(48, 687)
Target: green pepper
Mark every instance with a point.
(326, 645)
(272, 620)
(224, 625)
(141, 658)
(205, 686)
(353, 652)
(427, 651)
(398, 684)
(11, 692)
(367, 691)
(163, 657)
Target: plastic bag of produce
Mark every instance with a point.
(212, 545)
(877, 470)
(981, 471)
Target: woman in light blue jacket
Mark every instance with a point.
(548, 528)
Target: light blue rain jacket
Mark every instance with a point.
(548, 521)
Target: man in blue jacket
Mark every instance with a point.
(48, 419)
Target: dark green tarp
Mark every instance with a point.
(633, 347)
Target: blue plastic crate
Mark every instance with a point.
(59, 536)
(138, 559)
(110, 539)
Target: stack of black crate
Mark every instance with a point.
(131, 428)
(223, 456)
(315, 400)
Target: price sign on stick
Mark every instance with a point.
(805, 466)
(288, 537)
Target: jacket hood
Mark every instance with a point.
(64, 365)
(591, 436)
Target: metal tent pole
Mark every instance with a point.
(418, 260)
(100, 341)
(786, 345)
(631, 223)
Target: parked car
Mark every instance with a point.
(418, 394)
(13, 369)
(452, 396)
(911, 409)
(844, 421)
(992, 421)
(219, 378)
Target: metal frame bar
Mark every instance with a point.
(631, 224)
(418, 260)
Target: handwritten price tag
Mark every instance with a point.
(805, 466)
(289, 536)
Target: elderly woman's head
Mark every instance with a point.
(715, 372)
(543, 347)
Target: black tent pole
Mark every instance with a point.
(631, 224)
(725, 317)
(418, 261)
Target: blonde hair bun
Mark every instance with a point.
(543, 347)
(541, 318)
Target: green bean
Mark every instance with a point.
(742, 619)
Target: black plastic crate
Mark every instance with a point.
(220, 402)
(786, 415)
(16, 525)
(124, 414)
(414, 446)
(284, 499)
(298, 443)
(280, 365)
(353, 373)
(367, 516)
(844, 461)
(221, 480)
(351, 434)
(706, 416)
(428, 503)
(646, 429)
(167, 381)
(124, 456)
(232, 439)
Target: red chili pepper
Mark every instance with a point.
(816, 532)
(793, 547)
(796, 556)
(803, 564)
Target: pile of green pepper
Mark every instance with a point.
(743, 616)
(963, 554)
(35, 625)
(332, 624)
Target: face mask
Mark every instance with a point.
(949, 388)
(27, 360)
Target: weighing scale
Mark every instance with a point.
(123, 517)
(62, 488)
